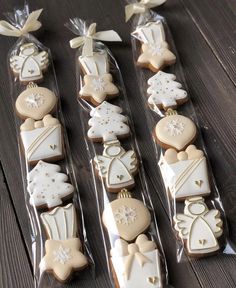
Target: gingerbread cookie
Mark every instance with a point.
(42, 140)
(126, 217)
(175, 131)
(35, 102)
(47, 186)
(107, 123)
(116, 166)
(30, 64)
(136, 265)
(165, 92)
(96, 89)
(63, 251)
(199, 227)
(95, 65)
(185, 173)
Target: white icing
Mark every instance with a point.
(140, 276)
(164, 90)
(62, 255)
(46, 185)
(107, 123)
(174, 127)
(125, 215)
(98, 84)
(35, 100)
(150, 33)
(42, 143)
(116, 165)
(60, 223)
(96, 64)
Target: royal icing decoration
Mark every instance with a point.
(199, 227)
(60, 223)
(96, 89)
(175, 131)
(42, 140)
(47, 185)
(62, 257)
(126, 217)
(95, 65)
(35, 102)
(165, 92)
(137, 264)
(116, 166)
(30, 63)
(185, 173)
(107, 123)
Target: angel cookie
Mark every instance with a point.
(98, 82)
(185, 173)
(63, 250)
(137, 264)
(116, 166)
(199, 227)
(42, 140)
(164, 92)
(30, 64)
(107, 123)
(47, 186)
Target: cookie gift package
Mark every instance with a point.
(60, 247)
(134, 253)
(195, 208)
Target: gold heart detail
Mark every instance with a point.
(199, 183)
(202, 241)
(152, 280)
(120, 177)
(53, 147)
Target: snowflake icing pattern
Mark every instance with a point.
(174, 127)
(156, 50)
(125, 215)
(35, 100)
(62, 255)
(98, 84)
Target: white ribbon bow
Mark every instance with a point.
(87, 40)
(141, 7)
(31, 24)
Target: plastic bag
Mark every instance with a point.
(134, 253)
(52, 198)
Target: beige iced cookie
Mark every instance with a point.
(175, 131)
(30, 64)
(199, 227)
(35, 102)
(156, 56)
(96, 89)
(97, 64)
(126, 217)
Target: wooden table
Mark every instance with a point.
(204, 33)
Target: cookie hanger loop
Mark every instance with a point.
(124, 193)
(31, 85)
(170, 112)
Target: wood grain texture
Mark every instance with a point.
(208, 67)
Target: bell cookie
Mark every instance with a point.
(185, 173)
(175, 131)
(47, 186)
(42, 140)
(137, 264)
(30, 64)
(164, 92)
(107, 123)
(199, 227)
(126, 217)
(35, 102)
(116, 166)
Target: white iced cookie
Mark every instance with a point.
(199, 227)
(35, 102)
(116, 166)
(126, 217)
(30, 64)
(107, 123)
(42, 140)
(175, 131)
(96, 89)
(96, 64)
(185, 173)
(47, 186)
(137, 264)
(164, 92)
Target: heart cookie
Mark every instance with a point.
(126, 217)
(175, 131)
